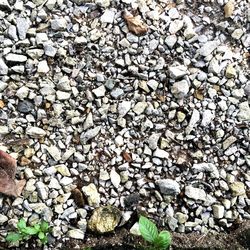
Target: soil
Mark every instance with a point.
(239, 239)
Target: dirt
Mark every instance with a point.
(239, 239)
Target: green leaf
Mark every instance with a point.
(21, 224)
(13, 237)
(30, 230)
(37, 227)
(163, 240)
(148, 229)
(41, 235)
(44, 240)
(44, 226)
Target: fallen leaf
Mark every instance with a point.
(78, 197)
(8, 184)
(127, 157)
(135, 24)
(229, 8)
(199, 94)
(1, 104)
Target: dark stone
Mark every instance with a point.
(132, 199)
(25, 107)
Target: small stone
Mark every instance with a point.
(3, 67)
(115, 178)
(161, 154)
(182, 218)
(208, 48)
(116, 93)
(228, 142)
(54, 152)
(135, 229)
(177, 72)
(76, 234)
(92, 195)
(11, 57)
(35, 132)
(49, 50)
(180, 116)
(88, 123)
(168, 186)
(104, 219)
(35, 53)
(180, 89)
(206, 167)
(89, 134)
(238, 188)
(140, 107)
(244, 114)
(229, 8)
(207, 117)
(58, 24)
(42, 190)
(43, 67)
(3, 219)
(237, 34)
(23, 25)
(25, 107)
(100, 91)
(230, 71)
(153, 141)
(4, 130)
(123, 108)
(175, 26)
(171, 41)
(218, 211)
(108, 16)
(103, 3)
(153, 84)
(195, 193)
(62, 95)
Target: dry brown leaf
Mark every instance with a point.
(2, 104)
(199, 94)
(135, 24)
(127, 157)
(229, 8)
(8, 184)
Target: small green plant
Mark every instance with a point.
(40, 230)
(149, 231)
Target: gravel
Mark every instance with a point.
(157, 121)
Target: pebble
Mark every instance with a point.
(218, 211)
(92, 195)
(168, 186)
(195, 193)
(108, 16)
(76, 234)
(17, 58)
(177, 72)
(25, 107)
(3, 67)
(35, 132)
(180, 89)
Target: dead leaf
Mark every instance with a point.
(135, 24)
(127, 157)
(8, 184)
(199, 94)
(78, 197)
(1, 104)
(229, 8)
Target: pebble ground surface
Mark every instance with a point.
(96, 115)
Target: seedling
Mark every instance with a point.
(149, 231)
(25, 232)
